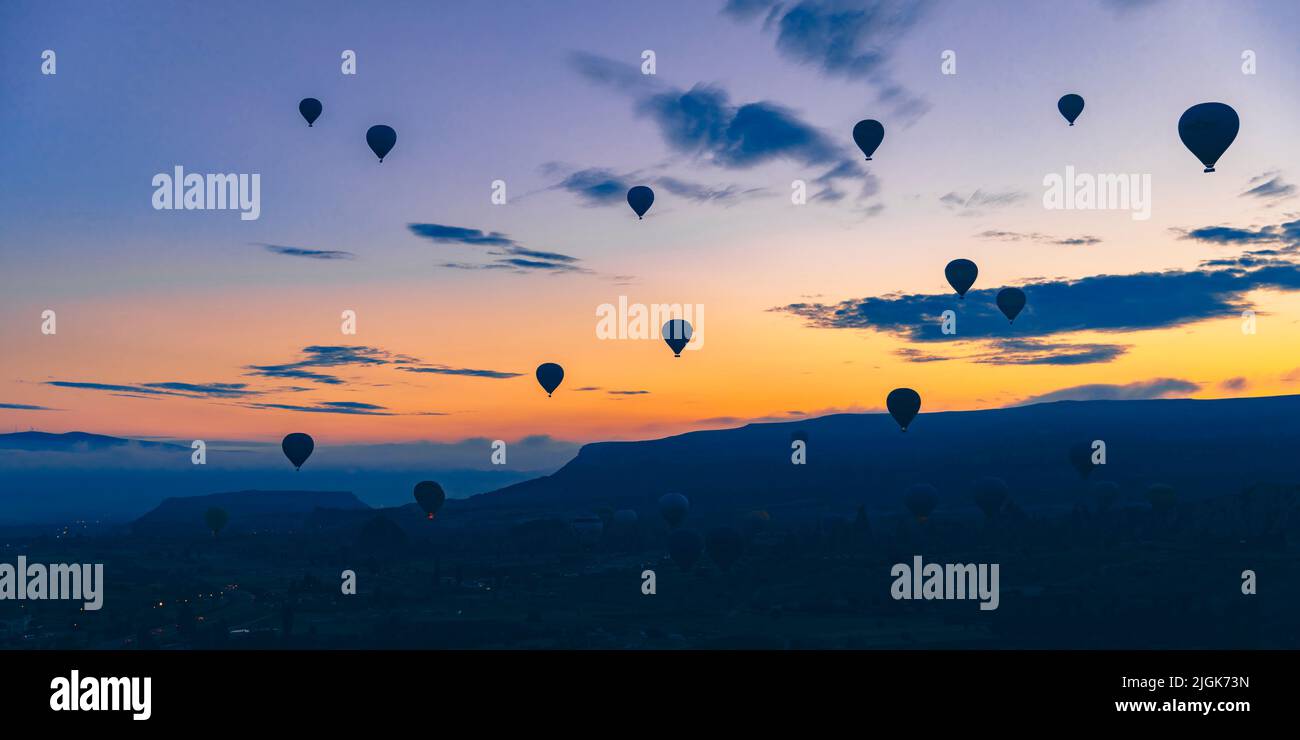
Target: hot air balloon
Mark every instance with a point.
(961, 274)
(297, 447)
(673, 507)
(1106, 492)
(1011, 301)
(216, 519)
(920, 500)
(867, 135)
(1070, 106)
(1081, 458)
(430, 497)
(640, 198)
(903, 405)
(310, 109)
(550, 375)
(677, 333)
(990, 495)
(381, 140)
(725, 546)
(684, 547)
(1208, 129)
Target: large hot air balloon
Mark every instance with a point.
(310, 109)
(685, 546)
(381, 140)
(297, 447)
(673, 507)
(903, 405)
(1081, 459)
(990, 495)
(1070, 106)
(640, 198)
(920, 500)
(1208, 129)
(677, 333)
(550, 375)
(725, 546)
(430, 497)
(867, 135)
(1011, 301)
(216, 519)
(961, 274)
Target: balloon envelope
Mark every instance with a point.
(640, 198)
(430, 496)
(673, 507)
(903, 405)
(297, 447)
(685, 546)
(990, 495)
(677, 333)
(1081, 459)
(961, 274)
(1070, 106)
(1011, 301)
(310, 109)
(1208, 129)
(381, 140)
(867, 135)
(216, 519)
(550, 375)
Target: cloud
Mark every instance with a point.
(1035, 352)
(184, 390)
(25, 407)
(509, 254)
(320, 356)
(315, 254)
(1234, 384)
(1141, 390)
(600, 187)
(588, 388)
(329, 407)
(1286, 233)
(978, 202)
(1269, 186)
(849, 39)
(628, 393)
(1034, 236)
(444, 370)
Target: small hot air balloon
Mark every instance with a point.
(991, 495)
(310, 109)
(920, 500)
(1081, 459)
(297, 447)
(903, 405)
(724, 545)
(1070, 106)
(429, 495)
(381, 140)
(685, 546)
(673, 507)
(1208, 129)
(677, 333)
(216, 519)
(640, 198)
(1011, 301)
(550, 375)
(961, 274)
(867, 135)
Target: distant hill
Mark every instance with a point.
(72, 441)
(1201, 447)
(248, 511)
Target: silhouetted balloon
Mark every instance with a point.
(216, 519)
(1162, 496)
(920, 500)
(640, 198)
(1070, 106)
(1081, 459)
(310, 109)
(1208, 129)
(684, 547)
(430, 497)
(990, 495)
(1106, 492)
(903, 405)
(550, 375)
(381, 140)
(961, 274)
(1011, 301)
(867, 135)
(673, 507)
(677, 333)
(297, 447)
(725, 546)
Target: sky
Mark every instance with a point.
(185, 324)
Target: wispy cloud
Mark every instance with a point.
(314, 254)
(25, 407)
(980, 202)
(1034, 236)
(186, 390)
(469, 372)
(328, 356)
(1269, 186)
(1141, 390)
(329, 407)
(509, 255)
